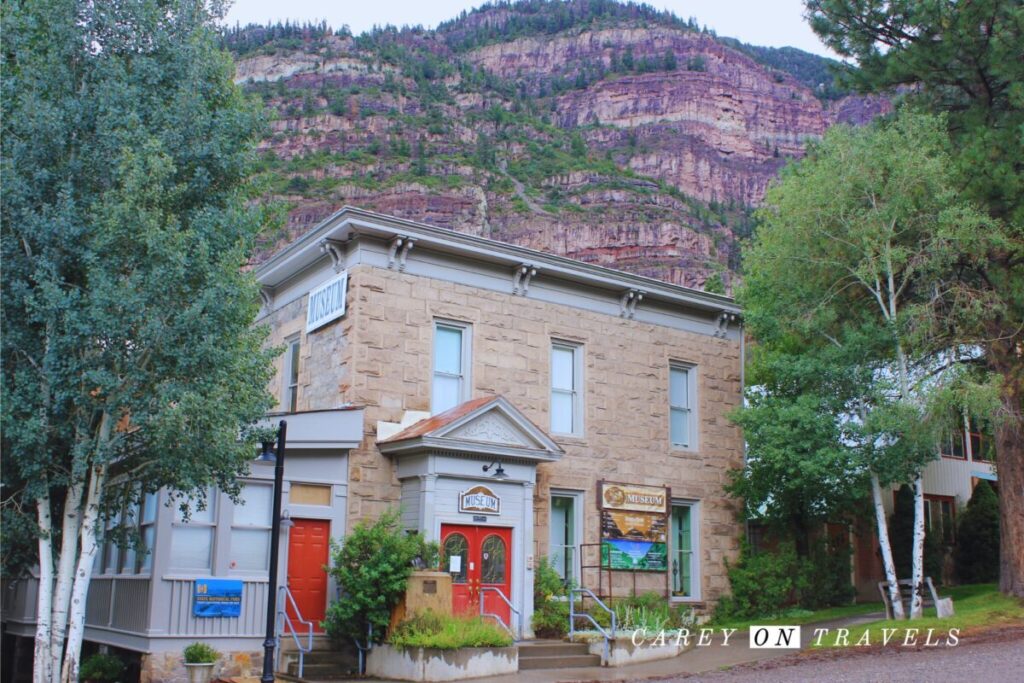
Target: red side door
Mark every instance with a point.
(485, 561)
(308, 548)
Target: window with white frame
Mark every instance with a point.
(291, 374)
(685, 576)
(192, 539)
(680, 392)
(566, 397)
(147, 531)
(250, 529)
(450, 383)
(562, 553)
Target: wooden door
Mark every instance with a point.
(308, 548)
(485, 560)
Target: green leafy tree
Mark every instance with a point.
(851, 248)
(129, 359)
(372, 567)
(977, 539)
(962, 59)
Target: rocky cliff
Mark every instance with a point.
(633, 141)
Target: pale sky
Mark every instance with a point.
(775, 23)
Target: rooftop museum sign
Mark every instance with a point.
(480, 499)
(326, 302)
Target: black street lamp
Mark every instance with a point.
(268, 456)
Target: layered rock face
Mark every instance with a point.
(642, 148)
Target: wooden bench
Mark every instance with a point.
(943, 606)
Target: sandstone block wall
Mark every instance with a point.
(380, 356)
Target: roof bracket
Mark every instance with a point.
(722, 324)
(521, 276)
(628, 301)
(267, 296)
(399, 251)
(336, 250)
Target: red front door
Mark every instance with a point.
(308, 546)
(485, 561)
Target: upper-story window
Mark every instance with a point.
(953, 445)
(681, 406)
(291, 374)
(566, 397)
(450, 385)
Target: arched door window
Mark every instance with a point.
(455, 545)
(493, 560)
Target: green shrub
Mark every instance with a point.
(445, 632)
(824, 576)
(977, 546)
(372, 567)
(762, 583)
(551, 619)
(101, 667)
(200, 653)
(546, 583)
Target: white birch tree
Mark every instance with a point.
(129, 358)
(846, 256)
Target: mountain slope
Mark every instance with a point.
(606, 132)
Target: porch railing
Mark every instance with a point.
(609, 635)
(285, 626)
(516, 615)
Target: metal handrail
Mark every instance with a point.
(285, 598)
(608, 637)
(518, 633)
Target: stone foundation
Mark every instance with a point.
(169, 667)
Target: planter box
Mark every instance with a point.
(622, 651)
(420, 664)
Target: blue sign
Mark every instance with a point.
(217, 598)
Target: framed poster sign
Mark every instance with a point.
(634, 520)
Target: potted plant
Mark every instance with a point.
(101, 668)
(199, 661)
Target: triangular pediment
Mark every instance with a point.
(493, 426)
(487, 425)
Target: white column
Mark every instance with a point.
(428, 487)
(526, 594)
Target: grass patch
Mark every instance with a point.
(443, 632)
(803, 616)
(978, 608)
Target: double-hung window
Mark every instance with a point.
(250, 529)
(450, 385)
(685, 583)
(563, 535)
(680, 406)
(147, 529)
(192, 540)
(291, 374)
(566, 396)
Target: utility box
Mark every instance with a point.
(425, 590)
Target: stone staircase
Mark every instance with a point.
(555, 654)
(326, 661)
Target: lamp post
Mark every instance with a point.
(276, 457)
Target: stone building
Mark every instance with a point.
(513, 404)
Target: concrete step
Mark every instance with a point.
(552, 649)
(558, 662)
(319, 671)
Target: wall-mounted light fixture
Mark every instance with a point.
(499, 471)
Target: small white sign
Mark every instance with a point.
(455, 564)
(326, 302)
